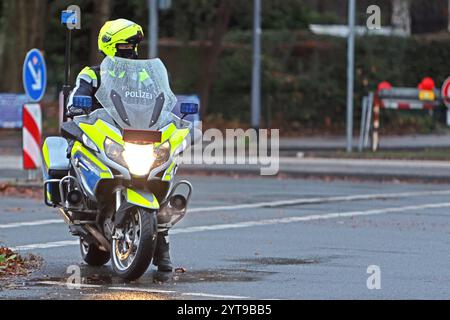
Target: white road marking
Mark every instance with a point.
(30, 223)
(208, 295)
(271, 204)
(268, 204)
(46, 245)
(265, 222)
(309, 218)
(198, 294)
(63, 284)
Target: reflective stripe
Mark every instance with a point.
(144, 77)
(97, 137)
(88, 79)
(88, 75)
(89, 72)
(109, 131)
(70, 102)
(143, 199)
(78, 147)
(177, 139)
(46, 155)
(167, 132)
(98, 132)
(168, 175)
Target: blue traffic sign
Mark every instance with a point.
(34, 75)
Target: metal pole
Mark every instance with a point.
(153, 29)
(376, 124)
(369, 119)
(66, 86)
(362, 130)
(350, 72)
(256, 77)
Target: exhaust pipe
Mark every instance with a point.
(174, 208)
(104, 243)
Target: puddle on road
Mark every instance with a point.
(222, 275)
(104, 276)
(92, 276)
(279, 261)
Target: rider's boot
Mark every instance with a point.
(161, 259)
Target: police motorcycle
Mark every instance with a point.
(117, 189)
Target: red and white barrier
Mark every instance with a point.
(406, 105)
(32, 133)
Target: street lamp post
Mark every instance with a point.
(350, 72)
(153, 29)
(256, 77)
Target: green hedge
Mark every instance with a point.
(304, 76)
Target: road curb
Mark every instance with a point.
(363, 169)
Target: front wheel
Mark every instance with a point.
(132, 249)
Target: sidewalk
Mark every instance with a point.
(360, 168)
(386, 142)
(10, 168)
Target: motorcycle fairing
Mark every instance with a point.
(54, 154)
(55, 165)
(99, 131)
(89, 169)
(141, 198)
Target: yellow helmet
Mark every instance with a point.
(120, 31)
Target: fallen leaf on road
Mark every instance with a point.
(180, 270)
(12, 264)
(20, 191)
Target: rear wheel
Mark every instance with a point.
(92, 255)
(132, 249)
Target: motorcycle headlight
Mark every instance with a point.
(88, 143)
(162, 154)
(115, 151)
(139, 158)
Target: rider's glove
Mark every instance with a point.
(73, 112)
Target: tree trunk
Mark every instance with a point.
(448, 15)
(22, 30)
(101, 14)
(213, 52)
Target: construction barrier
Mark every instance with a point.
(425, 97)
(32, 136)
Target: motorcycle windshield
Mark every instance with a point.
(136, 93)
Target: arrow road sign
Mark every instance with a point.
(34, 75)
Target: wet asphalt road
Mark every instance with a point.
(292, 250)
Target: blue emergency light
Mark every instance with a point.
(82, 102)
(189, 108)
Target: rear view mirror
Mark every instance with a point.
(188, 108)
(82, 102)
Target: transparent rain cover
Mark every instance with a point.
(136, 93)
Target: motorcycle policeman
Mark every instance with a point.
(117, 38)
